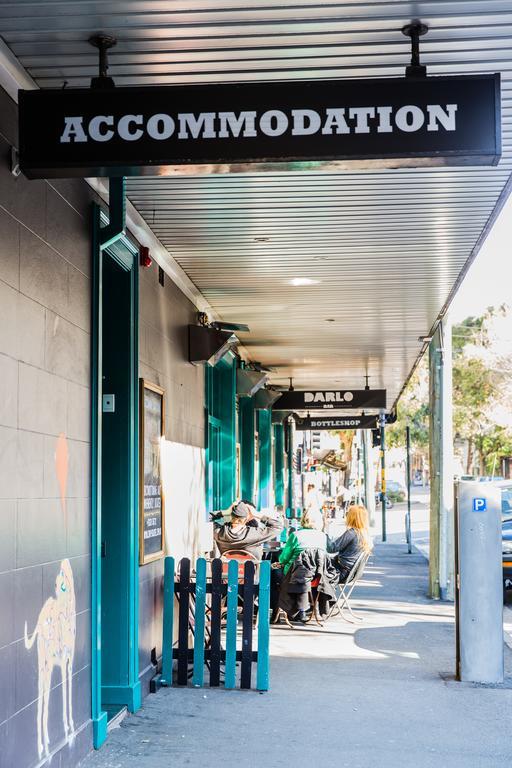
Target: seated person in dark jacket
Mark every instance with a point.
(246, 531)
(356, 539)
(301, 558)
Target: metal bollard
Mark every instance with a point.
(479, 583)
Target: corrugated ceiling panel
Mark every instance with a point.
(385, 248)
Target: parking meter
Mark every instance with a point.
(479, 582)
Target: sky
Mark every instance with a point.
(489, 280)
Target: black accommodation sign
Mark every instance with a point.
(326, 123)
(316, 400)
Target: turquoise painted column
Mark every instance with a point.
(279, 464)
(290, 507)
(265, 463)
(220, 398)
(247, 417)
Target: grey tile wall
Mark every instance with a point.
(165, 313)
(44, 392)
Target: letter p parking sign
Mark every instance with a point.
(479, 505)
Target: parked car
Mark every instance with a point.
(395, 491)
(417, 478)
(378, 500)
(505, 487)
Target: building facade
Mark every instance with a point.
(81, 629)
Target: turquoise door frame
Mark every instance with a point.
(220, 386)
(247, 446)
(264, 418)
(279, 483)
(124, 254)
(290, 507)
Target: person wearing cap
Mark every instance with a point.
(246, 531)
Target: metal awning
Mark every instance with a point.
(383, 249)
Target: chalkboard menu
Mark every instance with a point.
(151, 516)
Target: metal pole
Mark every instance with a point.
(289, 428)
(383, 473)
(441, 561)
(359, 484)
(303, 474)
(408, 515)
(369, 479)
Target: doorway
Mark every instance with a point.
(115, 680)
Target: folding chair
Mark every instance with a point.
(242, 557)
(347, 587)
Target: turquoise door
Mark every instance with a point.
(114, 481)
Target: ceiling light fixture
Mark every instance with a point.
(299, 281)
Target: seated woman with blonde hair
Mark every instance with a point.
(356, 539)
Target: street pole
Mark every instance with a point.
(382, 421)
(289, 429)
(369, 479)
(441, 560)
(408, 515)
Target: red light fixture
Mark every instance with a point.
(145, 258)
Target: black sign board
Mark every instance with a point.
(151, 518)
(318, 423)
(155, 130)
(330, 400)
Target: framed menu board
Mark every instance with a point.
(151, 512)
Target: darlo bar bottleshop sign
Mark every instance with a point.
(163, 130)
(296, 400)
(317, 423)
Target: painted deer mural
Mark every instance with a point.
(55, 633)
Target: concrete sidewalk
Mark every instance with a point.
(377, 694)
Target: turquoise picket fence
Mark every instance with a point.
(210, 631)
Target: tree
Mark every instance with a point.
(482, 362)
(412, 411)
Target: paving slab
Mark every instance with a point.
(379, 693)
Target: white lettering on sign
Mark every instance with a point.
(305, 122)
(237, 124)
(437, 115)
(328, 397)
(161, 127)
(193, 127)
(73, 130)
(335, 120)
(126, 130)
(97, 130)
(152, 502)
(152, 533)
(336, 423)
(273, 123)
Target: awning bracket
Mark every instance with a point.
(415, 30)
(115, 229)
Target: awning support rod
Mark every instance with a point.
(117, 212)
(415, 30)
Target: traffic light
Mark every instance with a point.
(315, 441)
(375, 438)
